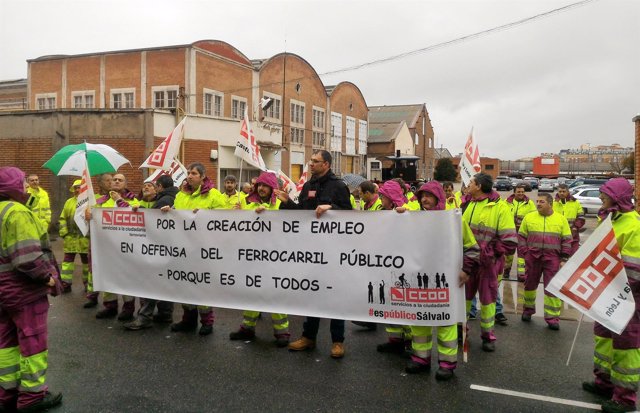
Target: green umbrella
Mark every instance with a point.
(71, 159)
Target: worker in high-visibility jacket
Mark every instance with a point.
(369, 196)
(570, 207)
(118, 197)
(74, 242)
(230, 197)
(412, 202)
(148, 198)
(39, 202)
(433, 198)
(520, 205)
(398, 336)
(198, 193)
(544, 240)
(617, 356)
(263, 197)
(490, 219)
(28, 272)
(453, 199)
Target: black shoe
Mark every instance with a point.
(125, 316)
(443, 374)
(501, 319)
(90, 304)
(611, 406)
(205, 330)
(367, 325)
(8, 407)
(106, 313)
(137, 324)
(163, 318)
(554, 326)
(472, 317)
(413, 367)
(66, 288)
(593, 388)
(48, 401)
(182, 326)
(396, 347)
(488, 346)
(244, 334)
(282, 342)
(526, 317)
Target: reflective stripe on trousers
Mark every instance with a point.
(447, 337)
(617, 367)
(398, 332)
(487, 319)
(280, 322)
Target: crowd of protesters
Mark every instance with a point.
(539, 236)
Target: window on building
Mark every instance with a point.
(336, 131)
(46, 101)
(212, 102)
(165, 97)
(363, 132)
(273, 112)
(83, 99)
(123, 98)
(297, 135)
(238, 107)
(318, 124)
(488, 167)
(297, 113)
(350, 135)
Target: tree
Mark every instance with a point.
(444, 170)
(629, 163)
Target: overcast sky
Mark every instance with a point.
(550, 84)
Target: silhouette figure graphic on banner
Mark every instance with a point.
(370, 292)
(437, 280)
(425, 280)
(382, 292)
(419, 281)
(443, 281)
(402, 282)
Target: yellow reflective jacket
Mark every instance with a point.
(74, 241)
(40, 206)
(548, 235)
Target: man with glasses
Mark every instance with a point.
(324, 191)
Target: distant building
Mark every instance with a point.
(440, 153)
(601, 153)
(13, 95)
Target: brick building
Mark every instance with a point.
(13, 94)
(88, 96)
(388, 135)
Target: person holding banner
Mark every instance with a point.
(369, 195)
(544, 240)
(148, 195)
(432, 198)
(230, 197)
(520, 206)
(490, 219)
(570, 207)
(198, 193)
(324, 191)
(617, 357)
(118, 197)
(74, 242)
(263, 197)
(28, 272)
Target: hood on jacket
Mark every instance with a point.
(569, 198)
(621, 192)
(265, 178)
(393, 191)
(433, 188)
(12, 184)
(513, 196)
(492, 196)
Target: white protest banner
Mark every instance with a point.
(163, 156)
(86, 198)
(345, 265)
(247, 148)
(594, 281)
(470, 162)
(177, 172)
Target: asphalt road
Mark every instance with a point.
(100, 367)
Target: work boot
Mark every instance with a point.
(48, 401)
(137, 324)
(125, 316)
(554, 326)
(488, 346)
(282, 341)
(301, 344)
(337, 350)
(593, 388)
(205, 330)
(183, 327)
(243, 334)
(367, 325)
(444, 374)
(611, 406)
(501, 319)
(394, 347)
(526, 317)
(415, 367)
(162, 318)
(90, 304)
(66, 287)
(107, 313)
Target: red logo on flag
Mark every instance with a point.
(595, 273)
(472, 154)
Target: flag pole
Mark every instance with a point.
(575, 338)
(240, 175)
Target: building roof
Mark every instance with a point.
(396, 114)
(440, 153)
(384, 132)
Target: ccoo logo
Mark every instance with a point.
(123, 218)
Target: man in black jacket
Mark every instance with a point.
(166, 196)
(324, 191)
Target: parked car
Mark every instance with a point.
(533, 181)
(502, 183)
(578, 188)
(588, 181)
(589, 198)
(546, 185)
(515, 182)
